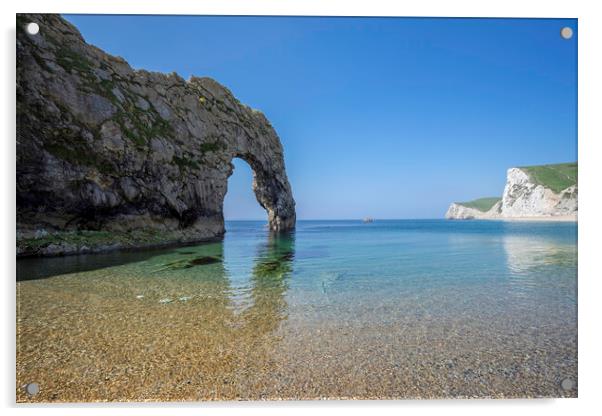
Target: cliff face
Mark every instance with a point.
(104, 147)
(457, 211)
(523, 197)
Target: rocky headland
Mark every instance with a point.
(546, 192)
(113, 157)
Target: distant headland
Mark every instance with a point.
(544, 192)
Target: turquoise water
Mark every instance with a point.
(513, 265)
(399, 308)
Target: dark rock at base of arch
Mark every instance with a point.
(102, 147)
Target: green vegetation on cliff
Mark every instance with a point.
(556, 177)
(482, 204)
(88, 241)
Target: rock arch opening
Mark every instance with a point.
(270, 186)
(240, 202)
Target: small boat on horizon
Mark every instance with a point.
(368, 220)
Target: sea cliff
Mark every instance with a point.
(546, 192)
(111, 157)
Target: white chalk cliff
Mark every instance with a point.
(523, 198)
(457, 211)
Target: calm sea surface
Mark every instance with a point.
(336, 309)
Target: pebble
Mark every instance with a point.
(139, 296)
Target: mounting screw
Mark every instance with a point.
(32, 388)
(32, 28)
(566, 32)
(567, 384)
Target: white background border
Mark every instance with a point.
(590, 188)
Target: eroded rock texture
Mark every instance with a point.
(457, 211)
(523, 198)
(101, 146)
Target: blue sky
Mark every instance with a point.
(381, 117)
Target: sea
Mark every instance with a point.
(392, 309)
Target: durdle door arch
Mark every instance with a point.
(104, 147)
(272, 190)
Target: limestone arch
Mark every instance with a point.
(272, 189)
(134, 150)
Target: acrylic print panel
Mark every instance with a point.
(266, 208)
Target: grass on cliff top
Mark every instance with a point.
(556, 177)
(482, 204)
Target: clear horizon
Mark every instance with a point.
(392, 118)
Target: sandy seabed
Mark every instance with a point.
(95, 340)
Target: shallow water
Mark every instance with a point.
(337, 309)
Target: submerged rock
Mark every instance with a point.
(189, 263)
(204, 260)
(104, 147)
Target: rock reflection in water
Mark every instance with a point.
(539, 270)
(272, 269)
(525, 253)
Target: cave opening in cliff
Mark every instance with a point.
(240, 202)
